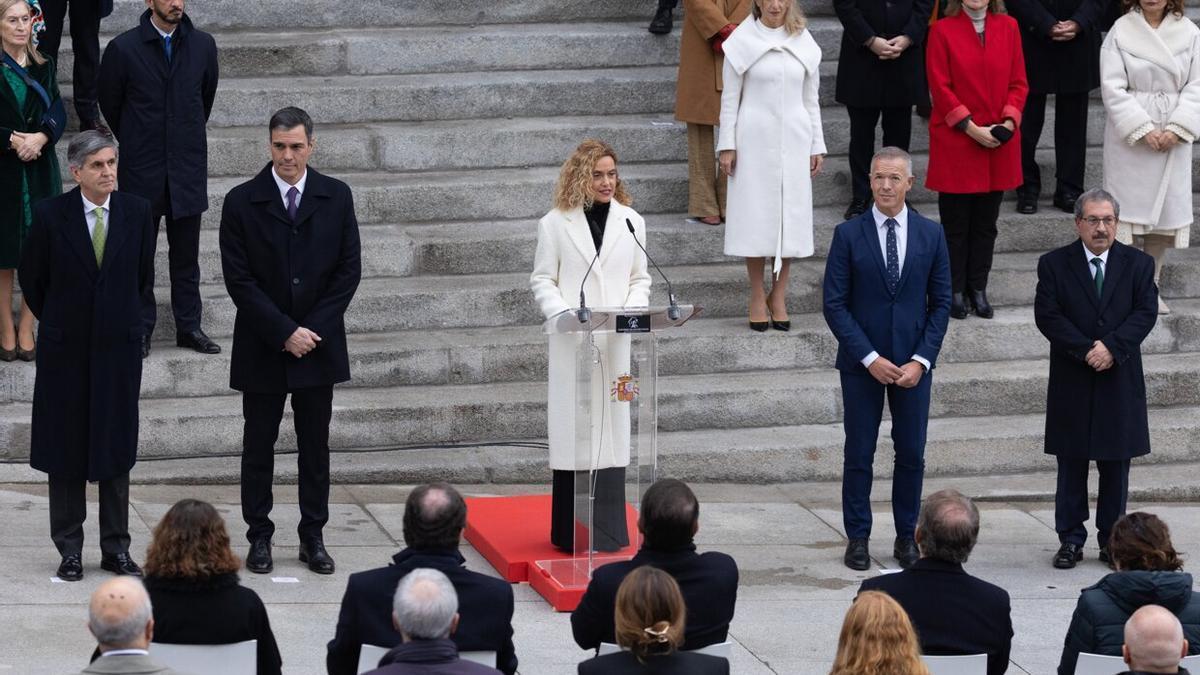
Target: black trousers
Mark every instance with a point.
(85, 43)
(312, 409)
(1070, 142)
(68, 511)
(970, 224)
(1071, 498)
(183, 259)
(610, 531)
(897, 131)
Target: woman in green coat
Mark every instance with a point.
(28, 164)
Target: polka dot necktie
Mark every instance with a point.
(893, 256)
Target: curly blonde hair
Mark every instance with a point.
(877, 639)
(574, 188)
(794, 20)
(30, 47)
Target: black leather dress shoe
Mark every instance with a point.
(857, 206)
(71, 568)
(1105, 557)
(145, 346)
(1065, 201)
(120, 563)
(979, 302)
(317, 558)
(258, 560)
(958, 308)
(858, 556)
(905, 552)
(198, 341)
(1027, 202)
(1067, 556)
(663, 20)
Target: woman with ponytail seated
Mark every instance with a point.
(650, 619)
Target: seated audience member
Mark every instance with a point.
(1153, 642)
(121, 619)
(191, 576)
(425, 613)
(877, 637)
(434, 518)
(650, 617)
(952, 611)
(1147, 573)
(669, 519)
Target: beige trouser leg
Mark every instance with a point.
(706, 189)
(1156, 245)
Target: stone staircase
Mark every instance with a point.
(449, 119)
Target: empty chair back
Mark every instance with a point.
(482, 658)
(238, 658)
(368, 657)
(1098, 664)
(973, 664)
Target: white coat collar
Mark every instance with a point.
(748, 43)
(1159, 46)
(581, 234)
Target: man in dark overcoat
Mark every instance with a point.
(1096, 302)
(85, 48)
(290, 253)
(157, 85)
(881, 74)
(88, 258)
(1061, 40)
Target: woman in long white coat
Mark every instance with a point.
(770, 145)
(590, 211)
(1150, 82)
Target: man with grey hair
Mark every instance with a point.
(1154, 642)
(88, 260)
(425, 613)
(952, 611)
(1096, 302)
(120, 618)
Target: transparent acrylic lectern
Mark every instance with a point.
(615, 428)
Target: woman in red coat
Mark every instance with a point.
(977, 81)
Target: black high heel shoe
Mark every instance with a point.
(958, 309)
(979, 301)
(784, 326)
(9, 355)
(759, 326)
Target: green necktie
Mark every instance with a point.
(98, 235)
(1099, 265)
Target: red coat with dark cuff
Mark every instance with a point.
(985, 81)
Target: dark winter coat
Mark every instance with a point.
(1060, 67)
(862, 78)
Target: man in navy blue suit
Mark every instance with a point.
(887, 301)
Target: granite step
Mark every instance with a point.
(405, 416)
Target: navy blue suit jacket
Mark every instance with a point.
(865, 316)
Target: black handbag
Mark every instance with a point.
(54, 120)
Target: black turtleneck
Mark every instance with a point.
(597, 216)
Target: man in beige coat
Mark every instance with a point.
(698, 97)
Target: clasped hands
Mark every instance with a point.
(887, 50)
(28, 146)
(1099, 358)
(885, 372)
(1064, 31)
(1161, 140)
(301, 342)
(983, 135)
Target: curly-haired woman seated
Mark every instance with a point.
(191, 574)
(1147, 573)
(650, 618)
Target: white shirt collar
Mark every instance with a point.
(284, 186)
(89, 207)
(1103, 256)
(125, 652)
(161, 32)
(900, 218)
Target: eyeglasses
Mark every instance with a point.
(1108, 221)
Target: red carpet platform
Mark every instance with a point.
(513, 533)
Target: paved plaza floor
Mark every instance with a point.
(787, 540)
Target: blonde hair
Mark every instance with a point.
(877, 639)
(794, 20)
(994, 6)
(650, 613)
(574, 187)
(34, 54)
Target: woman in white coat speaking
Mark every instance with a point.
(1150, 82)
(587, 227)
(770, 145)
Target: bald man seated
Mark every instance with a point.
(121, 619)
(1154, 642)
